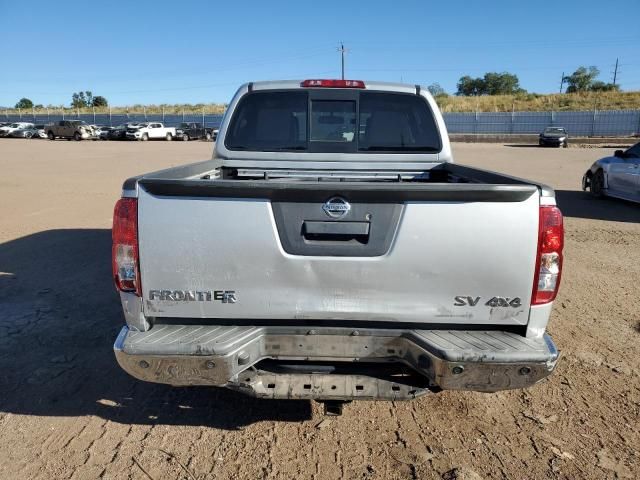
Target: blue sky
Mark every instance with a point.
(189, 52)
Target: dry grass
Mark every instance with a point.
(533, 102)
(528, 102)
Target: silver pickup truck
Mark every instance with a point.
(332, 250)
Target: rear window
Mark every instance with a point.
(391, 122)
(354, 121)
(270, 121)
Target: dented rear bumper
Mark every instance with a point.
(328, 363)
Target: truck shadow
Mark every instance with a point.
(579, 204)
(59, 316)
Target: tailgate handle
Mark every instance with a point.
(335, 231)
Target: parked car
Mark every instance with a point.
(617, 176)
(151, 131)
(399, 274)
(34, 131)
(117, 133)
(97, 129)
(70, 129)
(215, 134)
(7, 129)
(193, 131)
(554, 137)
(39, 131)
(103, 132)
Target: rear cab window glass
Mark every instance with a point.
(350, 121)
(333, 121)
(270, 121)
(396, 122)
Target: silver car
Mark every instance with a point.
(617, 176)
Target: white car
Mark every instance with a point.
(6, 130)
(151, 131)
(617, 176)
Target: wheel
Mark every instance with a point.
(597, 184)
(185, 137)
(77, 137)
(28, 134)
(51, 136)
(168, 137)
(207, 137)
(145, 137)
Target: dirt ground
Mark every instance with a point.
(68, 411)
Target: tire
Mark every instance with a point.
(168, 137)
(145, 137)
(597, 184)
(28, 135)
(207, 137)
(185, 137)
(51, 136)
(77, 137)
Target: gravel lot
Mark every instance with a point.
(68, 411)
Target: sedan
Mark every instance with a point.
(617, 176)
(553, 137)
(34, 131)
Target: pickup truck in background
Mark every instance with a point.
(150, 131)
(193, 131)
(332, 250)
(70, 129)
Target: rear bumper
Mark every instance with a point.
(233, 357)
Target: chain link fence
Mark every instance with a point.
(595, 123)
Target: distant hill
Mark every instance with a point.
(532, 102)
(528, 102)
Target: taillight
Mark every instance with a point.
(326, 83)
(124, 250)
(549, 261)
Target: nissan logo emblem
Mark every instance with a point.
(336, 207)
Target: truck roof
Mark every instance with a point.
(293, 84)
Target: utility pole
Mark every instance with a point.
(561, 82)
(342, 50)
(615, 72)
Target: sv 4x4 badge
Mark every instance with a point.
(464, 300)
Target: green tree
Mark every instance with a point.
(581, 80)
(24, 103)
(78, 100)
(436, 90)
(82, 99)
(492, 83)
(468, 86)
(501, 84)
(100, 101)
(599, 86)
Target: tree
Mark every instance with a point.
(100, 101)
(468, 86)
(492, 83)
(24, 103)
(436, 90)
(82, 99)
(599, 86)
(581, 80)
(501, 83)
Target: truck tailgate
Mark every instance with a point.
(459, 254)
